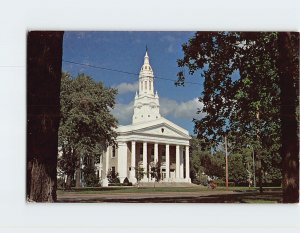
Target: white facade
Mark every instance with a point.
(150, 139)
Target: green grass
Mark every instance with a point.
(259, 201)
(102, 190)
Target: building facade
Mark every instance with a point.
(149, 141)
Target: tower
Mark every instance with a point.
(146, 103)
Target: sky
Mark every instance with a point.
(125, 51)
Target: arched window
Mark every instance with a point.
(145, 85)
(150, 85)
(141, 85)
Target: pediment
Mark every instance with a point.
(157, 128)
(162, 130)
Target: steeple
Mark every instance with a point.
(146, 77)
(146, 104)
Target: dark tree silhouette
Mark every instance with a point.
(44, 61)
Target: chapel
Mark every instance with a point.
(151, 140)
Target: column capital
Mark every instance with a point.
(121, 143)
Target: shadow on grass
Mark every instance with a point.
(247, 197)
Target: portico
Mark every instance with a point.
(153, 153)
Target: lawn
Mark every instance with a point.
(196, 194)
(132, 189)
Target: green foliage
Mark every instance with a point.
(203, 163)
(241, 93)
(112, 177)
(155, 171)
(139, 173)
(89, 175)
(86, 125)
(230, 103)
(237, 169)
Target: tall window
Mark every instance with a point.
(113, 152)
(150, 85)
(141, 85)
(163, 156)
(141, 153)
(145, 85)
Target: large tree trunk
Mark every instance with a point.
(289, 81)
(44, 60)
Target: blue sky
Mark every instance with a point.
(125, 51)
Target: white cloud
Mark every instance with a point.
(171, 43)
(123, 112)
(183, 110)
(124, 88)
(168, 38)
(168, 107)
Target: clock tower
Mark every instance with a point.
(146, 103)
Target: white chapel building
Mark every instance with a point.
(150, 139)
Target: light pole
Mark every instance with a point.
(226, 163)
(254, 180)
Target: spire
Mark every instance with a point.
(146, 58)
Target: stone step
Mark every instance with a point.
(166, 184)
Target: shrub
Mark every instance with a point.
(222, 183)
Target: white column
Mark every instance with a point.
(145, 160)
(181, 162)
(122, 160)
(106, 161)
(104, 181)
(177, 161)
(167, 161)
(187, 164)
(132, 165)
(155, 153)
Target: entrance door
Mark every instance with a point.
(172, 174)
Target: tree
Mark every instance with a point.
(238, 169)
(89, 173)
(155, 171)
(139, 173)
(205, 163)
(44, 60)
(87, 125)
(267, 68)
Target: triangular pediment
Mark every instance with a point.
(159, 128)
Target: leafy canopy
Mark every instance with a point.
(87, 125)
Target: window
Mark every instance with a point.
(145, 85)
(141, 85)
(150, 85)
(163, 156)
(141, 154)
(113, 172)
(113, 152)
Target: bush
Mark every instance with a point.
(222, 183)
(113, 177)
(126, 181)
(89, 174)
(119, 184)
(200, 179)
